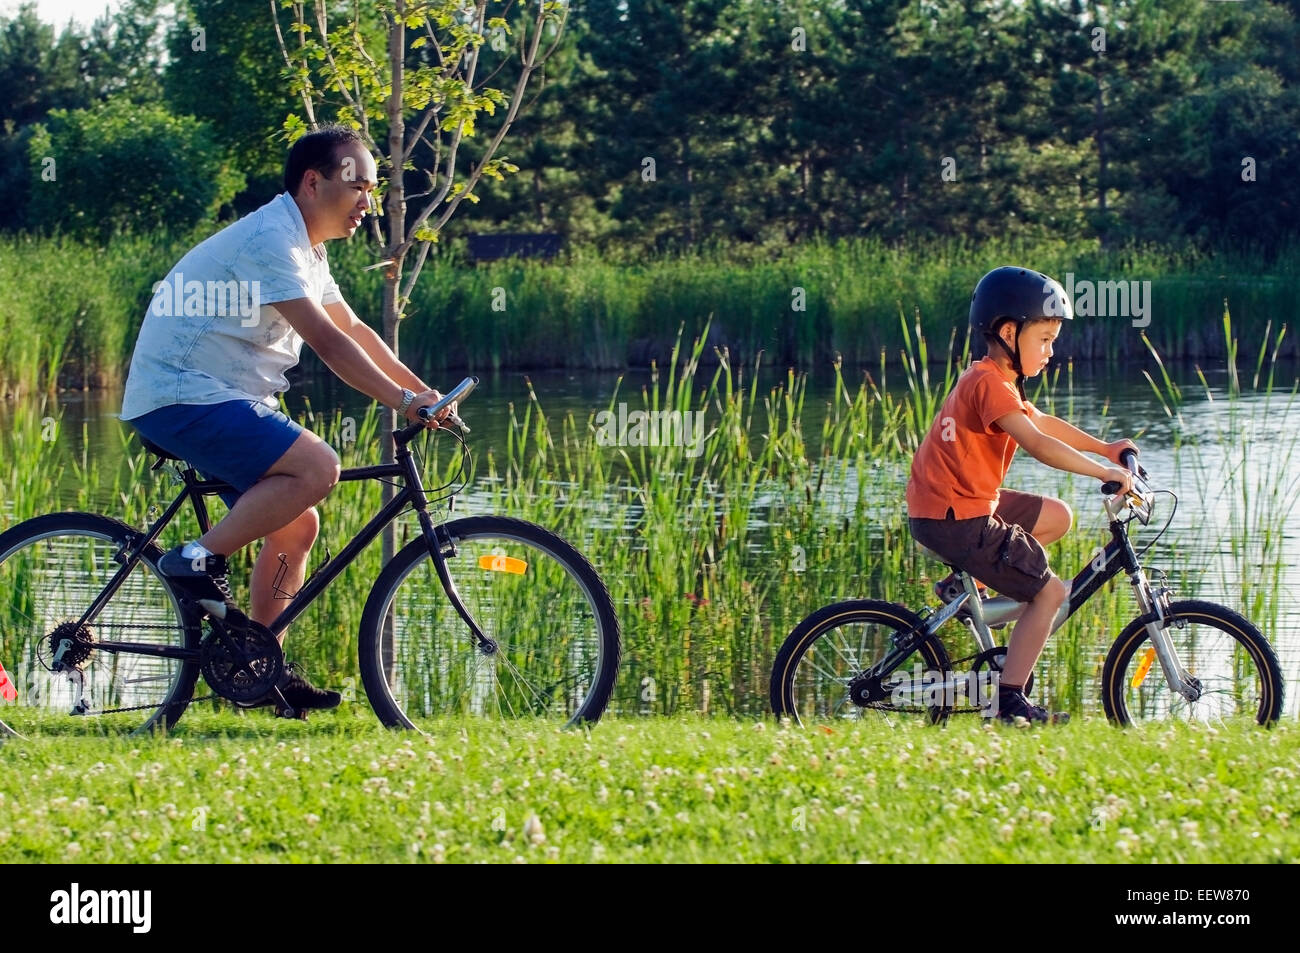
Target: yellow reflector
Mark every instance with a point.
(1144, 666)
(499, 563)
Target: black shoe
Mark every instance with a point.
(300, 694)
(1013, 705)
(201, 578)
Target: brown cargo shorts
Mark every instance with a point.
(997, 550)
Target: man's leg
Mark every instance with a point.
(232, 441)
(301, 478)
(294, 542)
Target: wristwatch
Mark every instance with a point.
(407, 397)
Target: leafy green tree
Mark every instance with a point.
(38, 71)
(668, 113)
(123, 55)
(415, 103)
(124, 167)
(230, 46)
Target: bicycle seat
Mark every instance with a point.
(154, 448)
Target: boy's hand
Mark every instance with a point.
(1113, 450)
(1120, 475)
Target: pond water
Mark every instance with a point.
(1219, 457)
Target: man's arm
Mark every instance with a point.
(347, 321)
(340, 352)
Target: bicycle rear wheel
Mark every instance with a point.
(829, 650)
(51, 569)
(555, 633)
(1234, 669)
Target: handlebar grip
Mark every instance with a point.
(1110, 487)
(424, 413)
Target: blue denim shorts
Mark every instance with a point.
(236, 441)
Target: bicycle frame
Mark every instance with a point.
(411, 493)
(1116, 557)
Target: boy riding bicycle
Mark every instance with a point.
(954, 502)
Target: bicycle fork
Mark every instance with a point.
(440, 548)
(1153, 605)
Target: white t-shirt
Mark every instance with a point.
(210, 334)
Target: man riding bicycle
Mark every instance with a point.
(203, 380)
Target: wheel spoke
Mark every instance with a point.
(51, 569)
(833, 647)
(1232, 663)
(554, 633)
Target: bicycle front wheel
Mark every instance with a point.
(554, 637)
(840, 649)
(52, 568)
(1234, 672)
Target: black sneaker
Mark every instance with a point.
(201, 578)
(1013, 705)
(301, 695)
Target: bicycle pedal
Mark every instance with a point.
(284, 711)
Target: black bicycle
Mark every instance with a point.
(480, 616)
(1185, 659)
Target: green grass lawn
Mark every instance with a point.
(249, 788)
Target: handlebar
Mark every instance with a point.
(1127, 458)
(453, 396)
(1140, 497)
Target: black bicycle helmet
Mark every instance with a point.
(1020, 295)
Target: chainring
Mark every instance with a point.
(76, 642)
(240, 659)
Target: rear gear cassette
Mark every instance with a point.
(241, 659)
(71, 646)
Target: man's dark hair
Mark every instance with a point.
(316, 150)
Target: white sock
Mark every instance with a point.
(195, 550)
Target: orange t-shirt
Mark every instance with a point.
(963, 459)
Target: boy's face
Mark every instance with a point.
(1036, 340)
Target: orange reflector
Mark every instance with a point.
(7, 690)
(499, 563)
(1144, 666)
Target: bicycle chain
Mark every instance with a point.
(918, 711)
(118, 711)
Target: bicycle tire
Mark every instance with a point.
(51, 569)
(804, 689)
(1236, 667)
(536, 596)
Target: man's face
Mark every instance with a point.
(339, 203)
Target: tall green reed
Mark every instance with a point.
(714, 549)
(73, 310)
